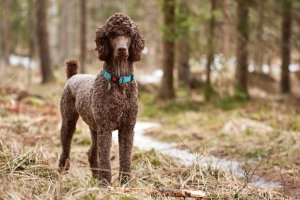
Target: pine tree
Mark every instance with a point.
(241, 74)
(43, 43)
(82, 35)
(286, 31)
(183, 44)
(211, 49)
(167, 84)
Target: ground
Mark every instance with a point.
(264, 133)
(30, 146)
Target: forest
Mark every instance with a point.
(218, 99)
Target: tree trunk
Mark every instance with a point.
(82, 35)
(211, 49)
(31, 41)
(226, 29)
(242, 48)
(167, 84)
(66, 29)
(259, 50)
(43, 43)
(285, 45)
(6, 26)
(183, 50)
(183, 47)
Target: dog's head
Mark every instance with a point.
(119, 38)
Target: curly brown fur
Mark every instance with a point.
(119, 24)
(72, 67)
(103, 109)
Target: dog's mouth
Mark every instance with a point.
(122, 55)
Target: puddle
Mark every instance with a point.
(146, 143)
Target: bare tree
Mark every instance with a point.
(259, 47)
(6, 30)
(183, 44)
(67, 35)
(286, 28)
(167, 84)
(211, 49)
(241, 73)
(31, 20)
(225, 28)
(43, 43)
(83, 19)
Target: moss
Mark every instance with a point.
(229, 103)
(176, 107)
(152, 109)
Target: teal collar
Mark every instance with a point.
(118, 80)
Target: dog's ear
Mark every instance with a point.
(137, 45)
(102, 44)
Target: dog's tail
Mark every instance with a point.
(72, 67)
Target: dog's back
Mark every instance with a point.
(78, 90)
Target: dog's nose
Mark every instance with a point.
(122, 49)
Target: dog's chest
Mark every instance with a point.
(120, 98)
(114, 104)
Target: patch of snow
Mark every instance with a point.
(294, 67)
(266, 69)
(154, 77)
(145, 50)
(251, 68)
(26, 62)
(146, 143)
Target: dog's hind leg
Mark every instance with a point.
(69, 120)
(93, 155)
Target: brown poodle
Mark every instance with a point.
(107, 101)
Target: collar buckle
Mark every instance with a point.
(115, 79)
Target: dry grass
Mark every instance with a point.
(31, 173)
(29, 150)
(201, 129)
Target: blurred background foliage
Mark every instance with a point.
(200, 54)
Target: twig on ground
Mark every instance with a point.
(248, 178)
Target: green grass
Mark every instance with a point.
(229, 103)
(151, 107)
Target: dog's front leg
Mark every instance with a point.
(125, 151)
(104, 145)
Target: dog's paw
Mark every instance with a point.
(64, 165)
(104, 178)
(124, 178)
